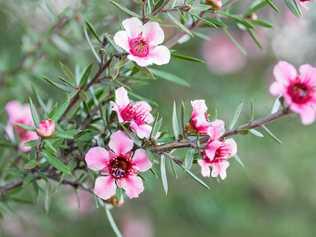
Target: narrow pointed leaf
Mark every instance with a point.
(163, 173)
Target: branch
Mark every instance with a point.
(185, 143)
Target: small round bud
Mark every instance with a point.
(216, 4)
(46, 128)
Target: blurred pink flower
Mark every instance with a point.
(118, 167)
(46, 128)
(136, 114)
(137, 227)
(80, 202)
(298, 90)
(20, 114)
(222, 56)
(142, 42)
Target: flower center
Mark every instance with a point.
(299, 92)
(138, 47)
(134, 112)
(221, 154)
(22, 133)
(120, 167)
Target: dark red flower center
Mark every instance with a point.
(299, 92)
(134, 112)
(120, 167)
(22, 133)
(139, 47)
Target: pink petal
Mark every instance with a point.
(284, 72)
(308, 115)
(211, 148)
(133, 27)
(277, 89)
(97, 158)
(142, 62)
(105, 187)
(120, 143)
(160, 55)
(133, 186)
(141, 161)
(232, 146)
(308, 74)
(142, 131)
(219, 169)
(153, 33)
(199, 106)
(216, 129)
(121, 97)
(115, 108)
(205, 168)
(121, 39)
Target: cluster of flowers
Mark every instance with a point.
(120, 164)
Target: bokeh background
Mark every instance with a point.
(274, 195)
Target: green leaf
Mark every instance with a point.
(93, 31)
(59, 110)
(254, 37)
(163, 173)
(175, 122)
(67, 72)
(276, 105)
(294, 7)
(262, 23)
(195, 178)
(235, 42)
(169, 77)
(112, 222)
(187, 58)
(256, 133)
(188, 161)
(236, 115)
(85, 75)
(273, 6)
(57, 85)
(26, 127)
(237, 158)
(256, 6)
(58, 164)
(178, 23)
(124, 9)
(271, 134)
(35, 116)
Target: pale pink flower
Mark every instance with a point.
(222, 56)
(199, 117)
(46, 128)
(217, 152)
(142, 42)
(305, 3)
(134, 226)
(298, 90)
(136, 114)
(119, 167)
(20, 114)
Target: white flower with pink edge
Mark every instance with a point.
(142, 42)
(119, 167)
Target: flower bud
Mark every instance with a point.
(46, 128)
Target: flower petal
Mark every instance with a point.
(141, 160)
(216, 129)
(133, 186)
(277, 89)
(231, 146)
(120, 143)
(308, 115)
(219, 169)
(142, 131)
(160, 55)
(97, 158)
(205, 168)
(308, 74)
(121, 97)
(284, 72)
(142, 62)
(153, 33)
(210, 149)
(133, 27)
(105, 187)
(121, 39)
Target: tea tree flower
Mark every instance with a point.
(20, 114)
(136, 114)
(46, 128)
(297, 89)
(119, 167)
(199, 117)
(142, 42)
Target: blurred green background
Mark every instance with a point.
(274, 195)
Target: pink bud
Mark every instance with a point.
(46, 128)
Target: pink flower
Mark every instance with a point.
(217, 152)
(142, 42)
(20, 114)
(118, 167)
(136, 114)
(46, 128)
(298, 90)
(199, 117)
